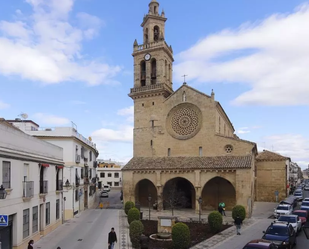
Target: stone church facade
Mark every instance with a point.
(182, 139)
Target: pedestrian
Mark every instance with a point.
(30, 244)
(58, 247)
(112, 239)
(238, 222)
(222, 204)
(144, 241)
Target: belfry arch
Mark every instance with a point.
(143, 190)
(218, 190)
(180, 192)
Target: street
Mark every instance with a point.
(89, 230)
(256, 232)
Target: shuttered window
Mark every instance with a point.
(6, 174)
(26, 223)
(35, 219)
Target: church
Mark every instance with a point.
(184, 143)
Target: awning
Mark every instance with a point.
(59, 166)
(44, 164)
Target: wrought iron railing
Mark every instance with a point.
(28, 189)
(59, 185)
(43, 187)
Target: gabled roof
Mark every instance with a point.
(167, 163)
(187, 86)
(270, 156)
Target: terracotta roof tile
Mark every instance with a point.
(270, 156)
(220, 162)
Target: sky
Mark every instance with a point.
(70, 61)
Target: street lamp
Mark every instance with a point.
(306, 230)
(200, 209)
(149, 200)
(3, 193)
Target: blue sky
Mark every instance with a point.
(69, 60)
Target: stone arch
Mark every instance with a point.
(143, 189)
(217, 190)
(180, 191)
(156, 33)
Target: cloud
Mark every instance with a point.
(3, 105)
(121, 134)
(270, 56)
(294, 146)
(128, 111)
(77, 102)
(46, 47)
(243, 130)
(49, 119)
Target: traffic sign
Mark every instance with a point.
(4, 220)
(276, 193)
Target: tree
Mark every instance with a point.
(174, 198)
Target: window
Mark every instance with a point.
(152, 103)
(116, 184)
(151, 143)
(82, 173)
(26, 223)
(47, 215)
(142, 104)
(116, 175)
(102, 175)
(6, 174)
(200, 151)
(57, 209)
(109, 175)
(152, 123)
(228, 148)
(26, 172)
(82, 151)
(110, 184)
(169, 152)
(35, 219)
(90, 156)
(90, 173)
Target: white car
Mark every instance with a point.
(106, 188)
(304, 205)
(104, 194)
(294, 220)
(306, 199)
(299, 195)
(283, 209)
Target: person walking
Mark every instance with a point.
(30, 244)
(220, 209)
(222, 204)
(112, 239)
(238, 223)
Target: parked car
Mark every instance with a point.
(299, 195)
(291, 200)
(304, 205)
(261, 244)
(281, 233)
(306, 199)
(106, 188)
(303, 215)
(283, 209)
(294, 220)
(104, 194)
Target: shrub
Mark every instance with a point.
(215, 221)
(181, 235)
(128, 206)
(136, 229)
(240, 211)
(133, 214)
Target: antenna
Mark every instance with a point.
(24, 115)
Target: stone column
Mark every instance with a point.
(159, 190)
(198, 189)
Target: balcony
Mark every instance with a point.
(28, 190)
(59, 185)
(43, 187)
(77, 182)
(77, 159)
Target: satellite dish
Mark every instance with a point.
(24, 115)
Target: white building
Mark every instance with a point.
(79, 155)
(109, 173)
(31, 172)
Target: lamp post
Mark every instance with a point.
(200, 209)
(3, 193)
(149, 200)
(306, 230)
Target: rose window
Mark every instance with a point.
(184, 121)
(228, 148)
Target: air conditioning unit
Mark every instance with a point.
(77, 160)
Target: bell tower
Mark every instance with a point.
(153, 59)
(153, 66)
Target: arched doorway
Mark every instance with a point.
(143, 190)
(178, 193)
(218, 190)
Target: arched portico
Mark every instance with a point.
(178, 192)
(218, 190)
(143, 190)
